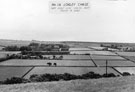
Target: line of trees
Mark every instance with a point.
(57, 77)
(16, 48)
(38, 47)
(67, 76)
(35, 53)
(28, 56)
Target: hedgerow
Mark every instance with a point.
(57, 77)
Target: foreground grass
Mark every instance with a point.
(117, 84)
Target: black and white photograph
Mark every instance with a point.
(67, 46)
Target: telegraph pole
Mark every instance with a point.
(106, 67)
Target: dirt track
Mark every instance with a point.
(121, 84)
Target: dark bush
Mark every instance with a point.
(126, 74)
(109, 75)
(11, 48)
(67, 76)
(91, 75)
(87, 54)
(15, 80)
(57, 77)
(35, 53)
(25, 48)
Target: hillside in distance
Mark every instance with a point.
(8, 42)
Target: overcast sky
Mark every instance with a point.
(106, 20)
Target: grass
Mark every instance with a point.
(103, 57)
(8, 72)
(119, 84)
(115, 63)
(35, 62)
(126, 53)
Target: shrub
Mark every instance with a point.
(15, 80)
(56, 77)
(91, 75)
(109, 75)
(126, 74)
(35, 78)
(67, 76)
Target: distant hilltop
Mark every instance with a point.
(8, 42)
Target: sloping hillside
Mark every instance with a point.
(120, 84)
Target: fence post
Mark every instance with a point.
(106, 67)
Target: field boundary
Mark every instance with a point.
(28, 72)
(127, 58)
(93, 61)
(57, 66)
(117, 71)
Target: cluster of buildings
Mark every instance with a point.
(49, 47)
(112, 47)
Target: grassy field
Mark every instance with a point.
(5, 42)
(114, 63)
(131, 70)
(4, 53)
(96, 48)
(79, 52)
(92, 52)
(132, 58)
(120, 84)
(71, 70)
(34, 62)
(8, 72)
(102, 53)
(71, 57)
(103, 57)
(80, 49)
(126, 53)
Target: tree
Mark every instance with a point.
(25, 48)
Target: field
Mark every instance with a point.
(93, 52)
(4, 42)
(126, 53)
(103, 57)
(75, 63)
(23, 62)
(102, 53)
(79, 49)
(132, 58)
(79, 52)
(96, 48)
(8, 72)
(4, 53)
(115, 63)
(71, 57)
(71, 70)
